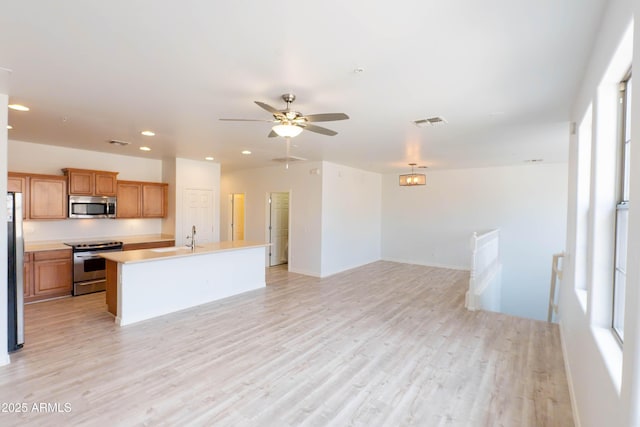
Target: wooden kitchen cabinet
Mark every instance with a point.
(148, 245)
(86, 182)
(48, 274)
(16, 182)
(138, 199)
(129, 200)
(19, 183)
(28, 277)
(154, 200)
(47, 197)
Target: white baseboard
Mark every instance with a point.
(567, 370)
(435, 265)
(5, 360)
(349, 267)
(305, 272)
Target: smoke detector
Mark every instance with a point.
(430, 121)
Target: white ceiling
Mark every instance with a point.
(502, 72)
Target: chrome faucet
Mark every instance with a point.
(192, 244)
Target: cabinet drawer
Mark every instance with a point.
(56, 254)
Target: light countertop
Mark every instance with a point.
(54, 245)
(142, 255)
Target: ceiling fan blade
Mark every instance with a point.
(246, 120)
(318, 129)
(272, 134)
(327, 117)
(267, 107)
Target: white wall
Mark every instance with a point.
(4, 101)
(169, 176)
(195, 175)
(432, 224)
(48, 159)
(603, 385)
(305, 209)
(351, 217)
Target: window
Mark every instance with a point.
(583, 200)
(622, 209)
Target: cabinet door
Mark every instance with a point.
(28, 276)
(18, 183)
(53, 273)
(48, 197)
(81, 183)
(105, 184)
(129, 200)
(154, 200)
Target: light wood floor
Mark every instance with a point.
(387, 344)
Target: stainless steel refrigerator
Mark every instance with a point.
(16, 271)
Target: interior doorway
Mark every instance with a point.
(278, 228)
(236, 226)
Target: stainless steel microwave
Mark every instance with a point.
(92, 207)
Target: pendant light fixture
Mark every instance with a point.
(411, 179)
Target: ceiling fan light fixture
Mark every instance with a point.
(287, 130)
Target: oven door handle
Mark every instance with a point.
(87, 257)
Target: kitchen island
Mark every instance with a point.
(147, 283)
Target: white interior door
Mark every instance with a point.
(197, 210)
(279, 228)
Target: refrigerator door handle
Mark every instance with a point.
(19, 268)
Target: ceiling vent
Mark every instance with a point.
(121, 143)
(430, 121)
(289, 159)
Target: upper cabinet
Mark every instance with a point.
(47, 197)
(129, 200)
(85, 182)
(154, 200)
(43, 196)
(19, 183)
(137, 199)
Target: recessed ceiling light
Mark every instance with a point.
(246, 152)
(534, 160)
(18, 107)
(208, 158)
(9, 127)
(145, 148)
(148, 133)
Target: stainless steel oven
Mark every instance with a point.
(88, 268)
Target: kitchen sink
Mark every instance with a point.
(173, 249)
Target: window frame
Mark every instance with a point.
(621, 209)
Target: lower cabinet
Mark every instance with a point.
(28, 276)
(48, 274)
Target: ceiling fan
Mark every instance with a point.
(289, 123)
